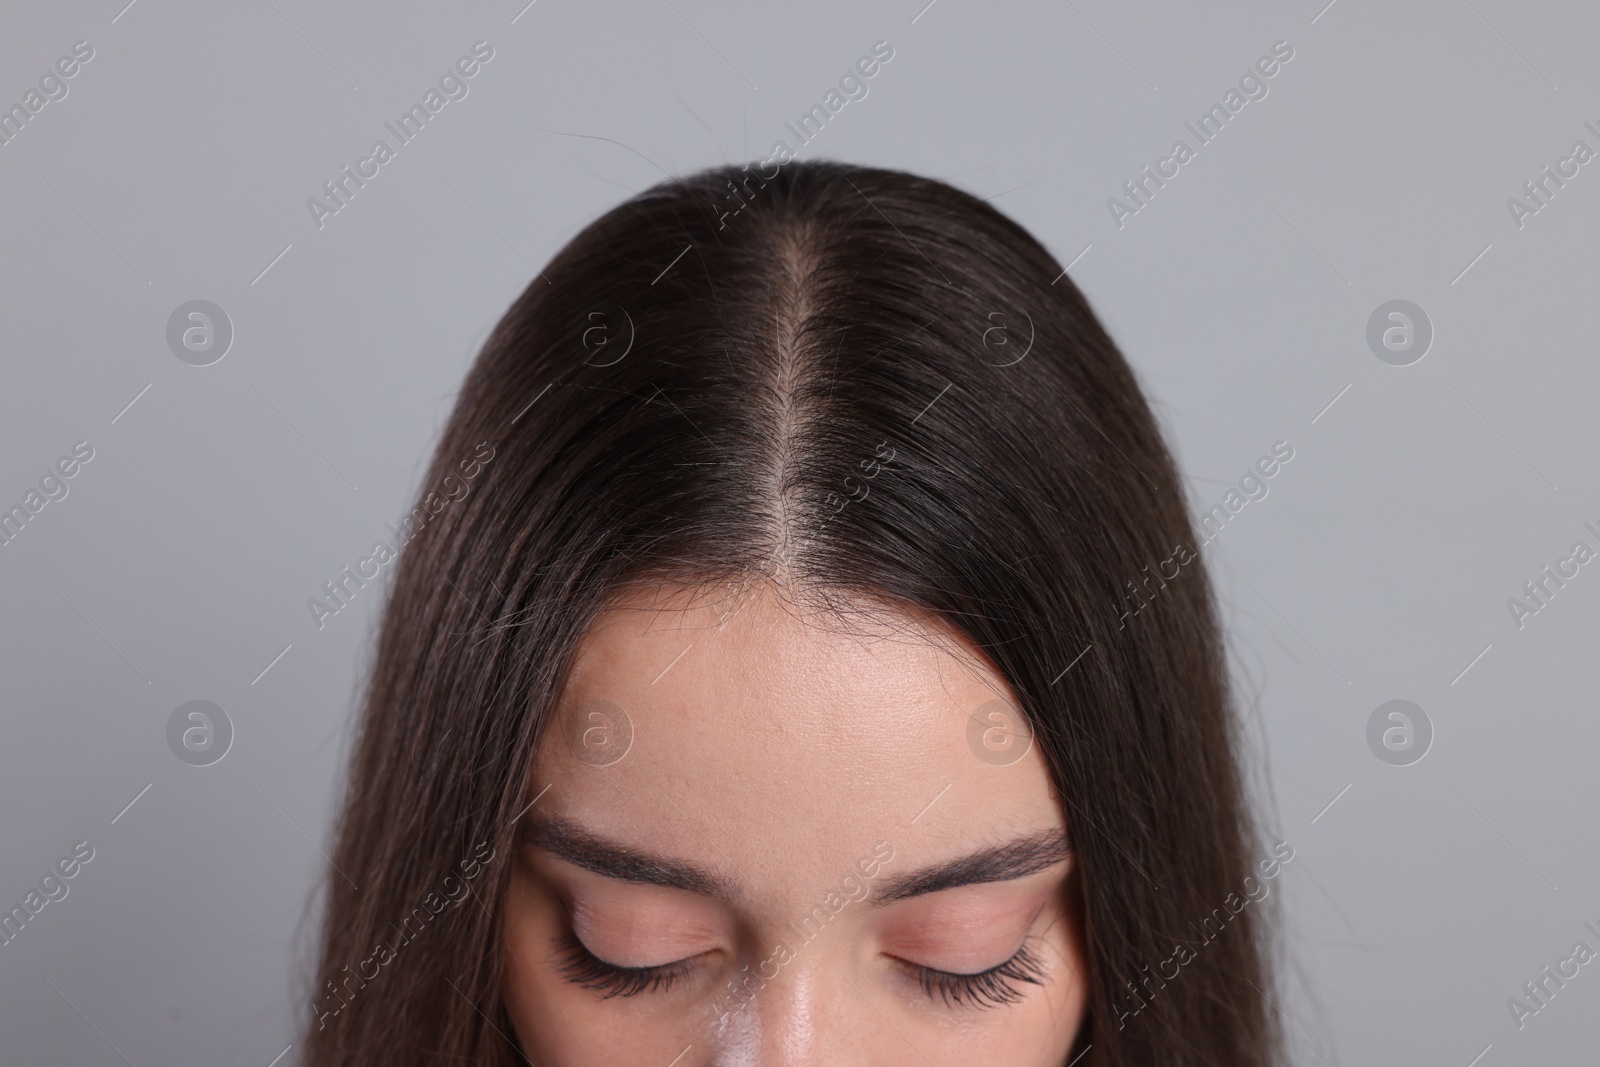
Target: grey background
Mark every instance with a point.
(1379, 566)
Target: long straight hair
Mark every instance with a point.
(848, 379)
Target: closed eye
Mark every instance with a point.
(998, 985)
(583, 968)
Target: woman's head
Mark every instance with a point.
(823, 623)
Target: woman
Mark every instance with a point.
(810, 665)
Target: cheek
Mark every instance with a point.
(1046, 1027)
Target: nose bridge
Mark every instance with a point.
(790, 1018)
(791, 1021)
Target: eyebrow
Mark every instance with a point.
(1001, 863)
(568, 841)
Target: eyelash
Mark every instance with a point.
(999, 985)
(986, 989)
(583, 968)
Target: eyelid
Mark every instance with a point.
(1026, 934)
(625, 967)
(938, 930)
(580, 966)
(910, 962)
(640, 924)
(993, 987)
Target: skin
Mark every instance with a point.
(782, 767)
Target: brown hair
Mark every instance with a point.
(702, 387)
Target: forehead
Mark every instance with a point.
(759, 735)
